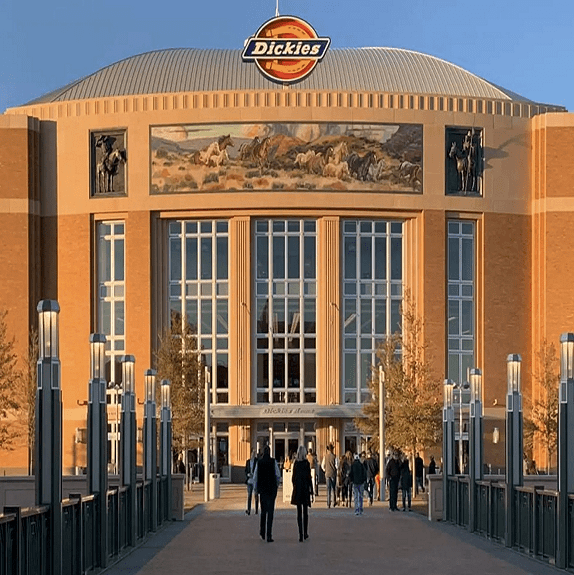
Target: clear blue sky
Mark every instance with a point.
(526, 46)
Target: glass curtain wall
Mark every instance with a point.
(199, 290)
(372, 295)
(286, 310)
(461, 304)
(110, 321)
(111, 294)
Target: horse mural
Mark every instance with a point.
(108, 166)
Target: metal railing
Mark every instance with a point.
(25, 532)
(535, 516)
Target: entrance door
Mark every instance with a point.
(284, 447)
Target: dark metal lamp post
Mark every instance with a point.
(447, 442)
(48, 476)
(150, 441)
(475, 455)
(98, 439)
(514, 453)
(165, 438)
(565, 442)
(128, 435)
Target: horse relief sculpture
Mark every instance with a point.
(110, 156)
(465, 152)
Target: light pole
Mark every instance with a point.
(513, 441)
(475, 440)
(128, 440)
(381, 433)
(165, 441)
(98, 439)
(206, 435)
(48, 472)
(565, 441)
(150, 441)
(447, 442)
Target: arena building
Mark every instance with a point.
(286, 221)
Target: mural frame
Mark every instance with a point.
(286, 156)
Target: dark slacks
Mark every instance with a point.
(302, 519)
(393, 492)
(267, 504)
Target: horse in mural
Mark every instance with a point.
(359, 165)
(214, 149)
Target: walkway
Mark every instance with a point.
(219, 538)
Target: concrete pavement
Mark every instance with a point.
(219, 538)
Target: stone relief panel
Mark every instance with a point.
(464, 161)
(286, 156)
(108, 163)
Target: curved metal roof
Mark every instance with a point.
(350, 69)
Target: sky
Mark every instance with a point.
(526, 46)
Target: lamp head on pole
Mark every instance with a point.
(166, 393)
(448, 390)
(149, 379)
(128, 376)
(475, 384)
(48, 311)
(97, 355)
(567, 356)
(513, 364)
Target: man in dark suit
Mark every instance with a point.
(267, 478)
(250, 466)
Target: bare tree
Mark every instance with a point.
(413, 399)
(10, 398)
(541, 421)
(178, 360)
(30, 381)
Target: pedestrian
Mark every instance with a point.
(329, 466)
(312, 459)
(419, 473)
(432, 466)
(267, 479)
(372, 467)
(393, 474)
(406, 480)
(302, 491)
(358, 477)
(250, 465)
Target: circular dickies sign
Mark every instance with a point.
(285, 49)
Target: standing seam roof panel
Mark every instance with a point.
(349, 69)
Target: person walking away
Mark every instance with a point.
(312, 459)
(329, 466)
(393, 474)
(358, 477)
(250, 465)
(302, 491)
(432, 466)
(267, 478)
(406, 480)
(372, 469)
(419, 473)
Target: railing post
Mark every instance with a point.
(128, 443)
(98, 442)
(565, 442)
(16, 569)
(48, 476)
(514, 454)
